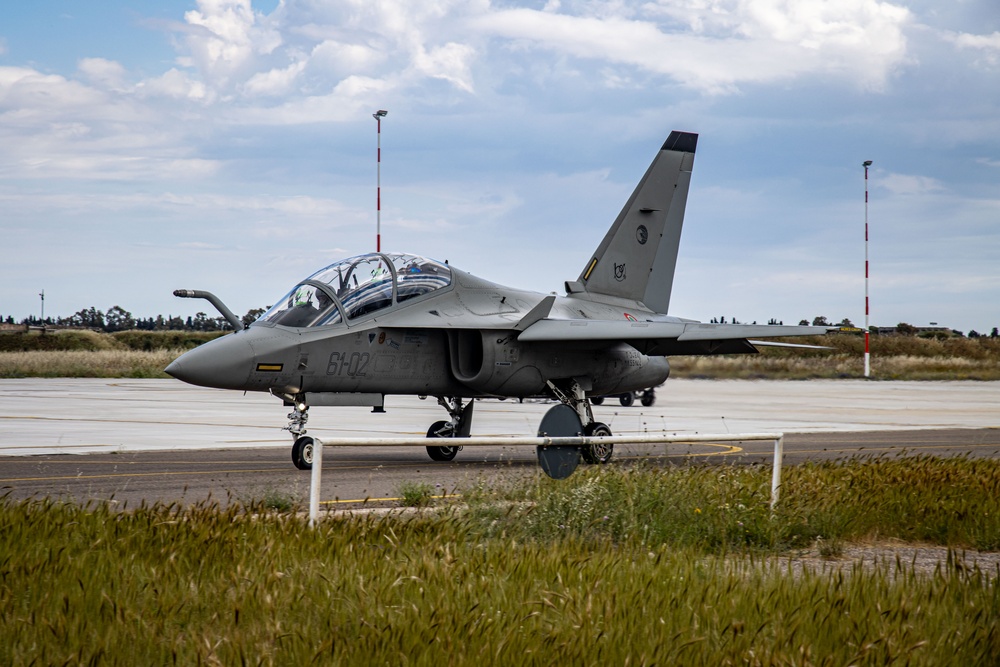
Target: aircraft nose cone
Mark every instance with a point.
(224, 363)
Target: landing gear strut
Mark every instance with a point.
(459, 426)
(302, 448)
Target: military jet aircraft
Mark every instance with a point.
(383, 324)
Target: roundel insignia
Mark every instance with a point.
(381, 337)
(630, 317)
(642, 235)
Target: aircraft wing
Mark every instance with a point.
(665, 338)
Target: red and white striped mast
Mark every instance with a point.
(378, 116)
(866, 164)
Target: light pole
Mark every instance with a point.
(378, 116)
(866, 164)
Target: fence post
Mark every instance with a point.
(315, 481)
(779, 454)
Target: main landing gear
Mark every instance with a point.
(459, 426)
(576, 399)
(647, 397)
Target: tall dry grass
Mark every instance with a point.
(87, 364)
(790, 367)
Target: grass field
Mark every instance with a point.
(144, 354)
(640, 567)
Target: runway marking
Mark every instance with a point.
(447, 496)
(726, 450)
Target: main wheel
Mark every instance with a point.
(598, 452)
(444, 453)
(648, 397)
(627, 399)
(597, 400)
(302, 453)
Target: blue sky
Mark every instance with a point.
(229, 146)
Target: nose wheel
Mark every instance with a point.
(302, 452)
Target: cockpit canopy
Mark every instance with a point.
(358, 286)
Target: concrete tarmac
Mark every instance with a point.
(140, 436)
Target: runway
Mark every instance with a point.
(136, 441)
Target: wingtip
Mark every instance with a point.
(685, 142)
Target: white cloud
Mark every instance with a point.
(449, 62)
(725, 43)
(275, 81)
(907, 184)
(987, 45)
(27, 93)
(175, 84)
(341, 59)
(103, 73)
(225, 36)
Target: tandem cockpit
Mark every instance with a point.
(356, 287)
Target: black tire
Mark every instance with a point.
(598, 453)
(597, 400)
(302, 453)
(648, 398)
(627, 399)
(443, 453)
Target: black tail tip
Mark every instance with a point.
(685, 142)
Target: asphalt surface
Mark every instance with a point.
(160, 441)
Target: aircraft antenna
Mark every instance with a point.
(378, 116)
(866, 164)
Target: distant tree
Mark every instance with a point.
(973, 333)
(846, 322)
(252, 315)
(906, 329)
(118, 319)
(803, 323)
(88, 317)
(995, 333)
(820, 321)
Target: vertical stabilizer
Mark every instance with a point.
(637, 257)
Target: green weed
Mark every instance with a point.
(415, 494)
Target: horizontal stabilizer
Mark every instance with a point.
(665, 338)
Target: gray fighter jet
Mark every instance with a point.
(385, 324)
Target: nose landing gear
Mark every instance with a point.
(302, 448)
